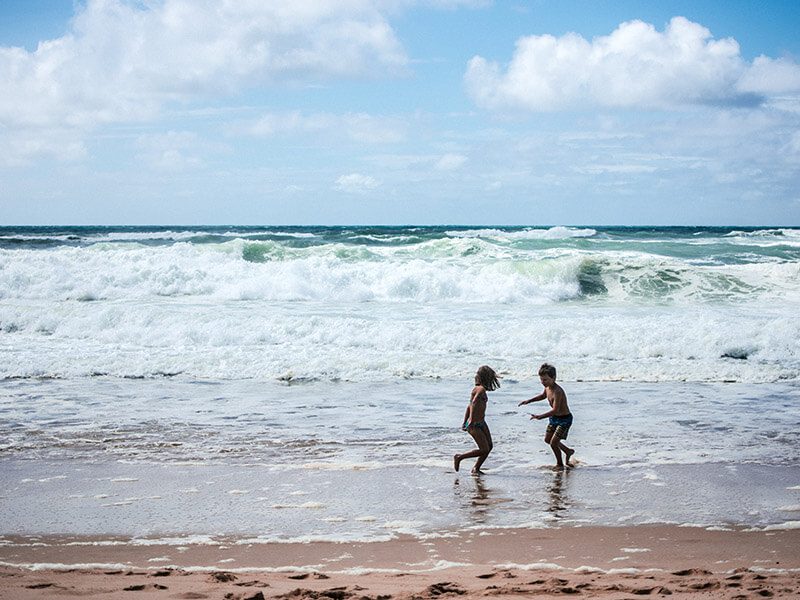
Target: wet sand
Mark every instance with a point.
(604, 562)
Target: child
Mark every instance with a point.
(474, 418)
(560, 417)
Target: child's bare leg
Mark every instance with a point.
(457, 458)
(552, 441)
(568, 452)
(486, 448)
(484, 441)
(557, 451)
(480, 461)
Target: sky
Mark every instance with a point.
(388, 112)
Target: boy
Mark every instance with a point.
(560, 417)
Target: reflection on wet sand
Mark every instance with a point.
(474, 496)
(480, 497)
(477, 497)
(558, 500)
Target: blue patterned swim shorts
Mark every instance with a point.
(559, 426)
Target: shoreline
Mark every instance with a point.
(594, 547)
(591, 561)
(311, 503)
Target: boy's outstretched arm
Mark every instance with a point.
(541, 396)
(558, 402)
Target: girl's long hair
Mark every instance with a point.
(488, 378)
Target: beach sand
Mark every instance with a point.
(591, 562)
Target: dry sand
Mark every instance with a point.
(590, 562)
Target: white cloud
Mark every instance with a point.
(289, 122)
(771, 77)
(374, 130)
(635, 66)
(493, 186)
(397, 5)
(359, 127)
(21, 147)
(173, 150)
(419, 163)
(450, 162)
(123, 60)
(791, 150)
(629, 169)
(356, 183)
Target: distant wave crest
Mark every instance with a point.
(440, 270)
(553, 233)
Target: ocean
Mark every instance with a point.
(308, 383)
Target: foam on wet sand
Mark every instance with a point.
(579, 561)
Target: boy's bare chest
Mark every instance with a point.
(553, 396)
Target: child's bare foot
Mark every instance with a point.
(558, 467)
(456, 462)
(476, 472)
(568, 454)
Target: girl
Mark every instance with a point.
(474, 418)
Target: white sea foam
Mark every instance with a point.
(781, 236)
(340, 466)
(349, 538)
(782, 526)
(66, 566)
(345, 311)
(311, 505)
(166, 235)
(99, 543)
(407, 527)
(772, 570)
(431, 271)
(188, 540)
(125, 236)
(438, 565)
(28, 237)
(626, 571)
(589, 570)
(553, 233)
(535, 566)
(206, 340)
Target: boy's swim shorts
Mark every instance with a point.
(559, 426)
